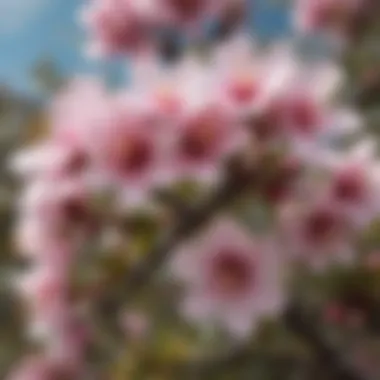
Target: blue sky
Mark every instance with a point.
(31, 30)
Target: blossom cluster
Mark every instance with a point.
(184, 123)
(133, 27)
(338, 18)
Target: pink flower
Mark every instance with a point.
(328, 15)
(119, 26)
(246, 79)
(169, 92)
(70, 342)
(77, 108)
(37, 240)
(61, 206)
(72, 117)
(302, 115)
(51, 159)
(355, 183)
(201, 142)
(45, 292)
(191, 12)
(304, 104)
(229, 278)
(128, 26)
(127, 150)
(317, 233)
(55, 219)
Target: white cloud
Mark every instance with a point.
(17, 14)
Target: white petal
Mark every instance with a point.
(326, 81)
(239, 322)
(198, 308)
(38, 159)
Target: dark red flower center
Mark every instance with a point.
(75, 211)
(200, 138)
(186, 8)
(302, 115)
(232, 272)
(331, 13)
(133, 154)
(267, 126)
(321, 225)
(118, 31)
(349, 186)
(77, 162)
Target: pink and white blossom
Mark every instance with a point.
(230, 278)
(127, 150)
(304, 103)
(53, 221)
(192, 13)
(247, 78)
(44, 290)
(201, 142)
(355, 183)
(72, 116)
(317, 234)
(119, 26)
(332, 16)
(183, 122)
(130, 27)
(167, 93)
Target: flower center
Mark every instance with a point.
(232, 272)
(321, 225)
(133, 154)
(119, 31)
(77, 162)
(349, 187)
(200, 137)
(74, 209)
(187, 8)
(331, 12)
(302, 115)
(243, 89)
